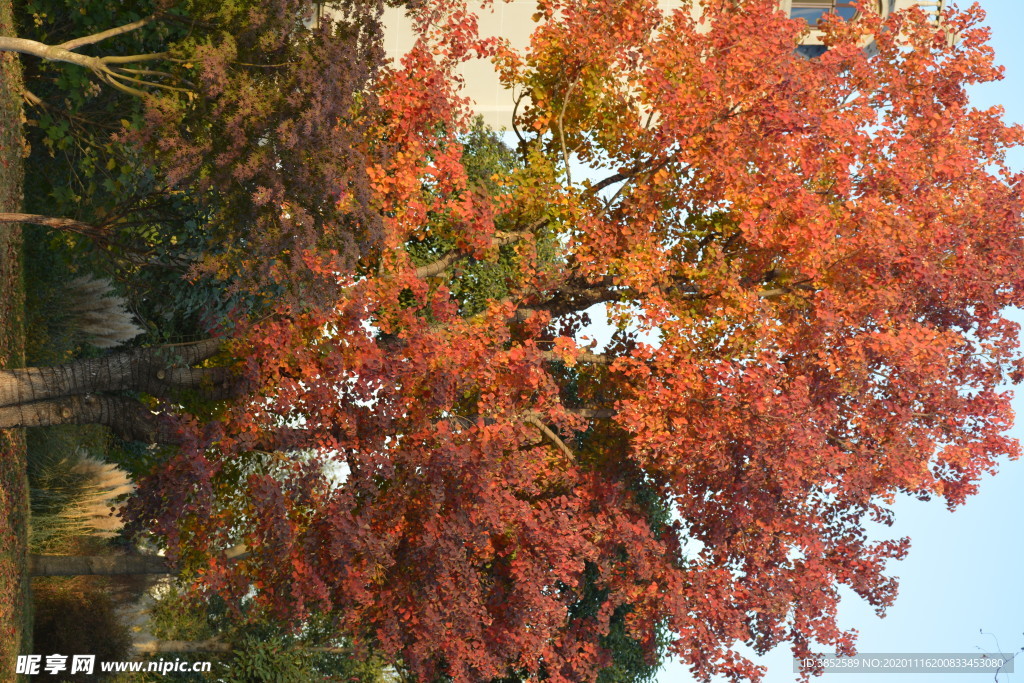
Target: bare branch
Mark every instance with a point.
(98, 65)
(561, 131)
(532, 419)
(145, 72)
(437, 267)
(593, 413)
(31, 98)
(515, 128)
(109, 33)
(129, 59)
(44, 51)
(582, 356)
(109, 79)
(54, 222)
(118, 74)
(576, 296)
(182, 646)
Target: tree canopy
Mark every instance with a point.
(208, 137)
(821, 248)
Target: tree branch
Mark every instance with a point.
(582, 356)
(593, 413)
(437, 267)
(574, 296)
(577, 296)
(130, 59)
(69, 224)
(532, 419)
(109, 33)
(100, 66)
(182, 646)
(638, 169)
(561, 131)
(31, 98)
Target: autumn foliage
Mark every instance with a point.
(806, 260)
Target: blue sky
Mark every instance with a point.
(964, 572)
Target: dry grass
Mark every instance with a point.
(15, 617)
(80, 507)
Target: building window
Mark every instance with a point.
(811, 51)
(812, 11)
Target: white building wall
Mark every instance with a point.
(513, 21)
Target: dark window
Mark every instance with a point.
(812, 11)
(811, 51)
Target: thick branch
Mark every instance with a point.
(69, 224)
(437, 267)
(551, 436)
(57, 53)
(638, 169)
(214, 384)
(154, 647)
(100, 66)
(593, 413)
(109, 33)
(575, 297)
(581, 357)
(54, 53)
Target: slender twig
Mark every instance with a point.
(115, 83)
(561, 130)
(593, 413)
(264, 66)
(128, 59)
(145, 72)
(515, 128)
(152, 84)
(31, 98)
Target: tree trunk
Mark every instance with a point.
(106, 565)
(155, 370)
(82, 391)
(155, 647)
(161, 647)
(126, 417)
(111, 565)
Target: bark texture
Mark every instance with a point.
(89, 390)
(107, 565)
(155, 647)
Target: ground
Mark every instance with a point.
(15, 617)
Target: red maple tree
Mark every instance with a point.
(823, 250)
